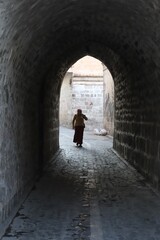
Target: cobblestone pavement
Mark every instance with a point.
(88, 193)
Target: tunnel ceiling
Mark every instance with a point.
(41, 34)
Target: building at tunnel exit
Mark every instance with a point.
(88, 85)
(39, 42)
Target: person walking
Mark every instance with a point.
(78, 125)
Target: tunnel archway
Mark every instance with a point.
(83, 88)
(51, 134)
(39, 42)
(88, 85)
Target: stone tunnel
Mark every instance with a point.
(39, 41)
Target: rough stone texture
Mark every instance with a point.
(84, 92)
(39, 41)
(108, 98)
(87, 93)
(83, 88)
(65, 111)
(88, 193)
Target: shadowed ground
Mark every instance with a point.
(88, 193)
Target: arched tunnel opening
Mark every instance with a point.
(88, 85)
(39, 42)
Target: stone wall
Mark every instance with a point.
(86, 93)
(19, 137)
(137, 130)
(65, 111)
(108, 86)
(39, 36)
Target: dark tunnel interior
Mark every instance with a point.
(39, 41)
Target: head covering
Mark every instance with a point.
(79, 111)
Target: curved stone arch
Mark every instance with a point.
(55, 79)
(37, 38)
